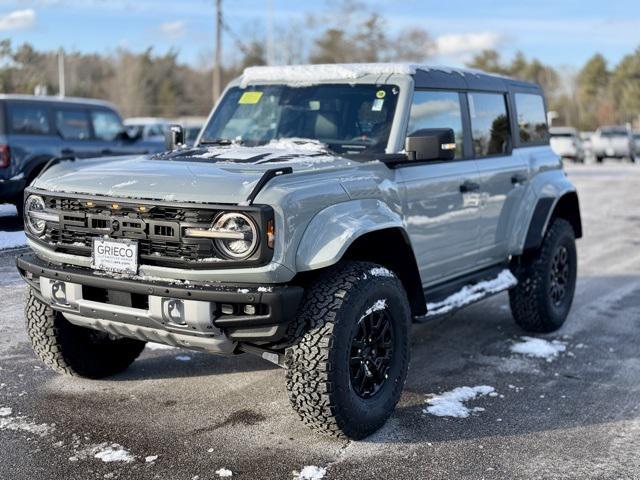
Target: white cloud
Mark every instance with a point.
(464, 44)
(18, 20)
(174, 30)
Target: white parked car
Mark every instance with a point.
(613, 142)
(566, 142)
(148, 128)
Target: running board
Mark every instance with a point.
(477, 287)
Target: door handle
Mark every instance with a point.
(518, 178)
(467, 187)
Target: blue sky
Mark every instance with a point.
(561, 32)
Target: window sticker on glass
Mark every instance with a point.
(377, 105)
(250, 98)
(380, 94)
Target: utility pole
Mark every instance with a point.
(217, 81)
(61, 81)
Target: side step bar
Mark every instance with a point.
(467, 290)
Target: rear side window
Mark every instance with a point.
(106, 125)
(437, 110)
(532, 120)
(73, 124)
(489, 124)
(29, 119)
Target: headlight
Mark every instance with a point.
(243, 232)
(34, 214)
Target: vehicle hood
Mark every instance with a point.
(214, 175)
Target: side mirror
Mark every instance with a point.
(431, 144)
(174, 137)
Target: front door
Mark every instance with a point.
(441, 199)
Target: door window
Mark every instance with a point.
(106, 125)
(489, 124)
(26, 119)
(437, 110)
(532, 120)
(73, 124)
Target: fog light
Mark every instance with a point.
(59, 293)
(174, 311)
(250, 309)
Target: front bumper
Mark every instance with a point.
(207, 317)
(11, 189)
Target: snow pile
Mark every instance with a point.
(294, 144)
(310, 472)
(224, 472)
(312, 74)
(12, 239)
(470, 293)
(114, 453)
(7, 210)
(451, 404)
(539, 348)
(376, 307)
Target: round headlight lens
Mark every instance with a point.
(247, 233)
(34, 204)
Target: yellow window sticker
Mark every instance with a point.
(250, 98)
(381, 94)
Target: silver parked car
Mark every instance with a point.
(322, 209)
(613, 142)
(566, 142)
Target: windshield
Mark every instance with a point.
(347, 118)
(614, 133)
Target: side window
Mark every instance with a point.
(106, 125)
(437, 110)
(72, 124)
(489, 124)
(532, 120)
(29, 119)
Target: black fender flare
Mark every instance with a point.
(565, 206)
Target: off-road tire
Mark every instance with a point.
(318, 364)
(72, 350)
(531, 303)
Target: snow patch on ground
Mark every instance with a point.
(114, 453)
(22, 424)
(224, 472)
(451, 403)
(151, 458)
(376, 307)
(310, 472)
(7, 210)
(12, 239)
(470, 293)
(5, 411)
(539, 348)
(159, 346)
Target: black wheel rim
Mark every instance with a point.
(559, 276)
(371, 353)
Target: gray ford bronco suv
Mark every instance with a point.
(321, 210)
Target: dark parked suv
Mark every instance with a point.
(33, 130)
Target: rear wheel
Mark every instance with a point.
(72, 350)
(346, 374)
(546, 281)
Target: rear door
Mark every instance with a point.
(439, 216)
(72, 124)
(502, 174)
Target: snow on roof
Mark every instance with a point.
(309, 74)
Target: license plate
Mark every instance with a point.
(120, 256)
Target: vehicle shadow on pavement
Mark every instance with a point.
(10, 223)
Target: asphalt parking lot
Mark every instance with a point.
(182, 415)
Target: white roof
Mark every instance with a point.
(309, 74)
(51, 98)
(146, 121)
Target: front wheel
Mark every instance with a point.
(346, 374)
(546, 281)
(72, 350)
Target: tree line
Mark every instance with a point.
(150, 84)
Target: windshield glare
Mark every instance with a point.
(347, 118)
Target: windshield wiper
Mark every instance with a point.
(220, 141)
